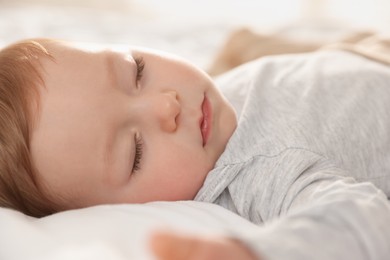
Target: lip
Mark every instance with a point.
(205, 122)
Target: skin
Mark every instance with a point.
(95, 112)
(174, 246)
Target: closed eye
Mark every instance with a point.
(140, 63)
(138, 153)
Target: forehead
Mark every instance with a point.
(66, 54)
(71, 66)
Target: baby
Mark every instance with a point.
(82, 128)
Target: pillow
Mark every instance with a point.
(114, 232)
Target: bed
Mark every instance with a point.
(119, 232)
(114, 232)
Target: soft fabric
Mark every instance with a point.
(116, 232)
(312, 129)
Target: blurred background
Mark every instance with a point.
(194, 29)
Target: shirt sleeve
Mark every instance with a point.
(326, 216)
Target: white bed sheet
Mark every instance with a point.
(114, 232)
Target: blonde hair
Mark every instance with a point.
(19, 81)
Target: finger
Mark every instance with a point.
(166, 245)
(161, 245)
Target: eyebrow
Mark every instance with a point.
(107, 153)
(110, 68)
(114, 156)
(118, 158)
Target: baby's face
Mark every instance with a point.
(109, 132)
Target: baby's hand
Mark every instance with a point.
(171, 246)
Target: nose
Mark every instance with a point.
(166, 109)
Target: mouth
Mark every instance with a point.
(205, 122)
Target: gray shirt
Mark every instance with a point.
(310, 159)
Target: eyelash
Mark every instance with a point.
(138, 153)
(139, 61)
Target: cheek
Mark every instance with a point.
(177, 175)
